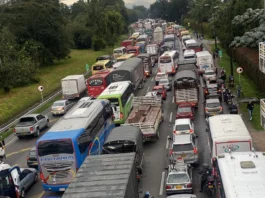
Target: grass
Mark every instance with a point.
(248, 87)
(19, 99)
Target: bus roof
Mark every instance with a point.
(99, 75)
(102, 62)
(115, 88)
(169, 53)
(243, 174)
(227, 126)
(202, 53)
(190, 41)
(126, 56)
(78, 118)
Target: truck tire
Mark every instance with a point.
(22, 193)
(37, 134)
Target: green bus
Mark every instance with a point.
(120, 94)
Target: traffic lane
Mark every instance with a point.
(156, 157)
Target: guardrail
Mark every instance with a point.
(5, 128)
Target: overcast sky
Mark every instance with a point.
(128, 3)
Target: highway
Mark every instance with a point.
(156, 158)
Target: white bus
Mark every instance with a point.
(240, 175)
(167, 62)
(228, 131)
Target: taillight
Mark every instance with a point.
(221, 108)
(177, 116)
(174, 131)
(42, 178)
(189, 185)
(31, 129)
(191, 130)
(27, 158)
(195, 150)
(173, 69)
(168, 187)
(14, 130)
(219, 91)
(170, 151)
(205, 109)
(191, 114)
(121, 115)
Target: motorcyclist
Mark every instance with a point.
(223, 74)
(231, 78)
(205, 172)
(147, 194)
(233, 108)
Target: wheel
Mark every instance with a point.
(19, 137)
(22, 193)
(36, 178)
(37, 134)
(48, 124)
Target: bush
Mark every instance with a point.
(98, 43)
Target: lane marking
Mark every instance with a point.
(170, 117)
(162, 183)
(148, 89)
(20, 151)
(11, 141)
(173, 100)
(167, 144)
(41, 194)
(152, 79)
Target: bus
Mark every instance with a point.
(120, 94)
(124, 57)
(81, 132)
(97, 83)
(167, 62)
(228, 132)
(240, 175)
(101, 65)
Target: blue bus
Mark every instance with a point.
(81, 132)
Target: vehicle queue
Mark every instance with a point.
(111, 105)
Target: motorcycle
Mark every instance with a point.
(233, 109)
(229, 100)
(209, 186)
(231, 82)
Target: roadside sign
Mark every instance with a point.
(87, 67)
(220, 53)
(41, 88)
(239, 70)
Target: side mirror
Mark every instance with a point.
(207, 130)
(166, 168)
(169, 138)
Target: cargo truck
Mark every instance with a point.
(73, 86)
(147, 114)
(105, 176)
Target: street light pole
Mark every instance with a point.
(215, 41)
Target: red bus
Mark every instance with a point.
(97, 83)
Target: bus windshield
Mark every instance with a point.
(114, 101)
(131, 51)
(121, 60)
(95, 82)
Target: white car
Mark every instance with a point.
(183, 126)
(159, 76)
(166, 83)
(209, 74)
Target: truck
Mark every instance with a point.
(130, 70)
(112, 175)
(31, 124)
(147, 114)
(186, 88)
(15, 181)
(73, 86)
(153, 50)
(204, 61)
(158, 36)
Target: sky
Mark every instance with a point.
(128, 3)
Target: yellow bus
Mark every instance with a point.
(124, 57)
(101, 65)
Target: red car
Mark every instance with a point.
(185, 111)
(161, 91)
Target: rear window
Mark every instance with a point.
(212, 90)
(55, 147)
(131, 51)
(163, 82)
(98, 67)
(165, 60)
(213, 105)
(209, 73)
(58, 104)
(182, 147)
(189, 57)
(95, 82)
(32, 153)
(178, 178)
(117, 52)
(182, 127)
(121, 60)
(161, 75)
(169, 39)
(184, 110)
(27, 119)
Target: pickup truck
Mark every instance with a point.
(16, 180)
(31, 124)
(147, 114)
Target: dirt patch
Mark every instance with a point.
(258, 140)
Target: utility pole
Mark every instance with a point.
(231, 39)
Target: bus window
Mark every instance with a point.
(55, 147)
(95, 82)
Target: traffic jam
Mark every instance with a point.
(98, 146)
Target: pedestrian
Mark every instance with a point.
(197, 35)
(238, 90)
(250, 108)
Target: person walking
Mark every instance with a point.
(238, 90)
(250, 108)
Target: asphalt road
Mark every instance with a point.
(156, 154)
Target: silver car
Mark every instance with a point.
(209, 75)
(179, 178)
(61, 107)
(166, 83)
(213, 107)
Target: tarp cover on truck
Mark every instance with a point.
(105, 176)
(185, 79)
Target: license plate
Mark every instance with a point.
(61, 189)
(178, 187)
(183, 155)
(210, 186)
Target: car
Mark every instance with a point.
(60, 107)
(166, 83)
(209, 74)
(185, 146)
(160, 75)
(182, 196)
(185, 111)
(183, 126)
(32, 161)
(161, 91)
(179, 178)
(213, 107)
(212, 91)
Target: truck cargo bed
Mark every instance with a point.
(186, 96)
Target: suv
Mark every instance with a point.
(179, 178)
(183, 126)
(185, 111)
(185, 146)
(160, 75)
(213, 107)
(212, 91)
(209, 75)
(32, 161)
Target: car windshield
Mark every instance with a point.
(182, 127)
(165, 60)
(209, 73)
(189, 57)
(114, 101)
(98, 67)
(32, 153)
(169, 39)
(163, 81)
(213, 105)
(161, 75)
(58, 104)
(182, 147)
(178, 178)
(117, 51)
(184, 110)
(132, 51)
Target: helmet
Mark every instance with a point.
(205, 165)
(147, 193)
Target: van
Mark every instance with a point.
(101, 65)
(117, 52)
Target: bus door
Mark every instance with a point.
(115, 105)
(2, 150)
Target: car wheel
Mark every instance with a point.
(48, 124)
(37, 134)
(19, 137)
(22, 193)
(36, 178)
